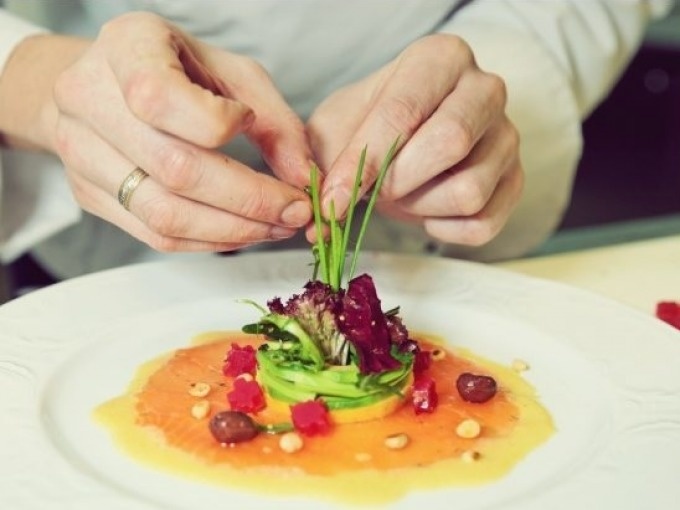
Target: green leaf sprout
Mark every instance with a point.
(330, 253)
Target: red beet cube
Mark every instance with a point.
(421, 362)
(246, 396)
(669, 311)
(424, 397)
(240, 360)
(310, 418)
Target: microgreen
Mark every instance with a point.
(331, 250)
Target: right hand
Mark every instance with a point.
(146, 94)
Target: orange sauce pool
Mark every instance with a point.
(152, 421)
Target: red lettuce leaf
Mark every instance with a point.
(362, 321)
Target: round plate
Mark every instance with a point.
(608, 375)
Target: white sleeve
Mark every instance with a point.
(559, 59)
(35, 201)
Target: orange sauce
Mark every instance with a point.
(155, 413)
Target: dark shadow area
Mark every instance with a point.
(630, 168)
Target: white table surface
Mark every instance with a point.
(638, 274)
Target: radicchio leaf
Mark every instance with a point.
(316, 310)
(362, 321)
(398, 332)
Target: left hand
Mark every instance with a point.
(457, 171)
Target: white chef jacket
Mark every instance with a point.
(559, 59)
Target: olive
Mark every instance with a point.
(233, 427)
(476, 388)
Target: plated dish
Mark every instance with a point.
(605, 372)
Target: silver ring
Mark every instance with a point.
(129, 185)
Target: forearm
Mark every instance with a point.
(27, 110)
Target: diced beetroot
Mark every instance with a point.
(310, 418)
(240, 360)
(421, 362)
(246, 396)
(424, 398)
(669, 311)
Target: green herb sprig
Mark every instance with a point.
(330, 253)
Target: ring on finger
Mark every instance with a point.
(129, 185)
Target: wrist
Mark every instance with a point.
(28, 113)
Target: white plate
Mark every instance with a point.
(609, 375)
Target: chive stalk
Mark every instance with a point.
(371, 204)
(330, 255)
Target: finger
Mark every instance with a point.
(165, 85)
(448, 136)
(276, 129)
(96, 201)
(465, 189)
(483, 226)
(198, 174)
(163, 213)
(333, 123)
(174, 216)
(109, 210)
(403, 103)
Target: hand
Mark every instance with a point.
(457, 171)
(146, 94)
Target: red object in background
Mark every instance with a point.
(246, 396)
(669, 311)
(310, 418)
(240, 360)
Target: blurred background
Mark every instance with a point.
(628, 182)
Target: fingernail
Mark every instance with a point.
(247, 119)
(281, 232)
(340, 199)
(296, 214)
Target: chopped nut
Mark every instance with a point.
(519, 365)
(200, 409)
(470, 456)
(245, 377)
(468, 429)
(438, 354)
(199, 389)
(291, 442)
(396, 441)
(363, 457)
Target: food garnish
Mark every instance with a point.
(333, 343)
(327, 383)
(372, 454)
(332, 348)
(229, 427)
(476, 388)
